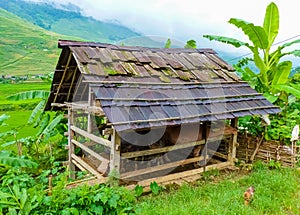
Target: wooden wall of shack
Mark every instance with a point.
(101, 151)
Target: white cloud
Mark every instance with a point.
(190, 19)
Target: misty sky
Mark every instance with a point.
(182, 20)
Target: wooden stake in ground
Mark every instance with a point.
(295, 137)
(257, 147)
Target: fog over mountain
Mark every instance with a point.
(190, 19)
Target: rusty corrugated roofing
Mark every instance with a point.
(135, 83)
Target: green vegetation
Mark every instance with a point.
(33, 178)
(276, 192)
(273, 75)
(18, 119)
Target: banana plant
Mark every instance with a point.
(273, 76)
(45, 121)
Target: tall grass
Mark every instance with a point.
(277, 192)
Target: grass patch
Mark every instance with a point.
(18, 119)
(10, 89)
(277, 192)
(19, 111)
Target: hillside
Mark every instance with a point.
(26, 48)
(68, 20)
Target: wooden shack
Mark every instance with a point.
(150, 112)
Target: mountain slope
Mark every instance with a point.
(67, 20)
(26, 48)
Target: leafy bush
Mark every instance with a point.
(26, 194)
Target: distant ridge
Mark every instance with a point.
(26, 49)
(68, 20)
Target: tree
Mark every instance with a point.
(190, 44)
(271, 72)
(273, 76)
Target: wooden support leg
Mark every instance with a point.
(71, 146)
(233, 143)
(89, 119)
(115, 153)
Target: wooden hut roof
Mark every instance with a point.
(142, 87)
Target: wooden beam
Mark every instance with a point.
(160, 167)
(86, 166)
(96, 83)
(179, 175)
(92, 137)
(88, 150)
(71, 146)
(115, 152)
(78, 165)
(63, 77)
(257, 148)
(161, 150)
(218, 154)
(89, 122)
(72, 82)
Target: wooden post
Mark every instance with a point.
(115, 153)
(71, 146)
(207, 128)
(233, 143)
(89, 125)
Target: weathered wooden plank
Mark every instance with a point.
(132, 174)
(70, 144)
(117, 55)
(152, 71)
(141, 57)
(202, 75)
(193, 58)
(183, 61)
(171, 60)
(104, 55)
(161, 150)
(218, 154)
(129, 67)
(93, 137)
(96, 68)
(129, 56)
(86, 166)
(78, 165)
(157, 60)
(81, 55)
(91, 52)
(115, 153)
(188, 173)
(88, 150)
